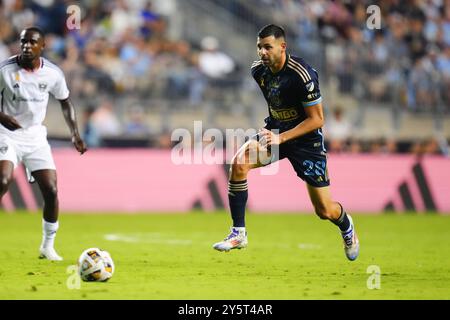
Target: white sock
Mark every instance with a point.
(240, 229)
(49, 233)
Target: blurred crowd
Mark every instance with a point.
(121, 47)
(406, 62)
(341, 137)
(127, 48)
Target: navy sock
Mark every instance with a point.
(237, 196)
(342, 222)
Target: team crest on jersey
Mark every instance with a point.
(310, 86)
(274, 92)
(42, 87)
(3, 148)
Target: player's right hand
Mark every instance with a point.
(79, 144)
(9, 122)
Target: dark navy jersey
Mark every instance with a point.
(288, 92)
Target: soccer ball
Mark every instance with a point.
(95, 264)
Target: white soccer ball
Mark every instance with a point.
(95, 264)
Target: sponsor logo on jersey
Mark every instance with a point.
(284, 114)
(22, 99)
(313, 95)
(42, 87)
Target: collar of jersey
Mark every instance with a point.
(34, 70)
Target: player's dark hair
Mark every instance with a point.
(272, 30)
(37, 30)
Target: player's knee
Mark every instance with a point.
(50, 192)
(4, 183)
(239, 169)
(323, 212)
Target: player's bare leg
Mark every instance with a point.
(328, 209)
(46, 180)
(6, 175)
(248, 157)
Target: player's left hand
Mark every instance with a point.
(79, 144)
(268, 138)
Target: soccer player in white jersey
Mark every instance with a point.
(26, 80)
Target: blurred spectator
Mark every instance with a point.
(383, 146)
(430, 146)
(338, 130)
(150, 21)
(354, 146)
(376, 146)
(136, 125)
(21, 17)
(99, 80)
(217, 68)
(4, 51)
(390, 146)
(212, 62)
(123, 19)
(164, 141)
(105, 120)
(50, 15)
(90, 133)
(139, 50)
(136, 57)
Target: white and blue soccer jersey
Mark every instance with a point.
(25, 94)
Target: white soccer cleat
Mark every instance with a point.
(351, 242)
(235, 240)
(50, 254)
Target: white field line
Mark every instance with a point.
(146, 238)
(160, 238)
(308, 246)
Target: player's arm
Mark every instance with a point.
(309, 93)
(7, 121)
(71, 120)
(314, 120)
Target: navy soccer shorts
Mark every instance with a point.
(308, 160)
(309, 163)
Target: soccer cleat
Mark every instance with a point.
(351, 242)
(235, 240)
(50, 254)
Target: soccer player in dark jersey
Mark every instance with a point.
(294, 131)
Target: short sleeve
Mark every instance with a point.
(311, 90)
(2, 82)
(255, 69)
(60, 90)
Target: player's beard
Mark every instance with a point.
(273, 62)
(268, 62)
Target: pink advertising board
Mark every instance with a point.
(144, 180)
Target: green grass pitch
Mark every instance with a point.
(170, 256)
